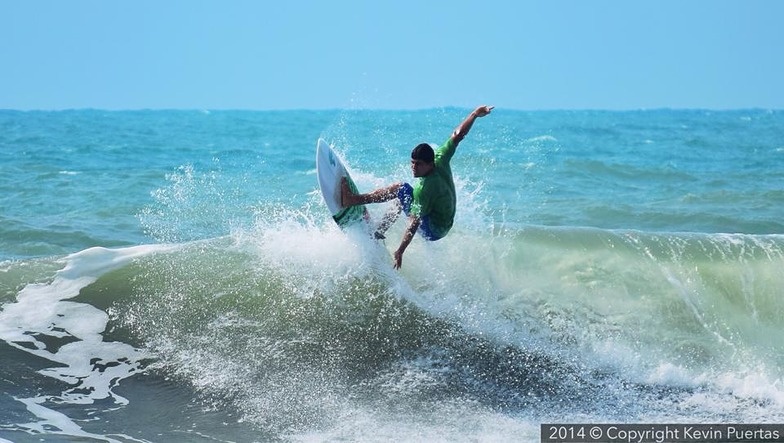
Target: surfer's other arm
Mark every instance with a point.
(462, 130)
(413, 225)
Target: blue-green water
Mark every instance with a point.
(175, 276)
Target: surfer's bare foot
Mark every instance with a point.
(346, 196)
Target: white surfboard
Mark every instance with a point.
(330, 169)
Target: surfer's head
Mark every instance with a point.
(422, 158)
(424, 152)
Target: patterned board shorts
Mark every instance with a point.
(406, 196)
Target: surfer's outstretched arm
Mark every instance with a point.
(462, 130)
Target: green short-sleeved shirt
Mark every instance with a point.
(434, 194)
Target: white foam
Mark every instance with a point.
(542, 138)
(755, 386)
(50, 418)
(37, 310)
(673, 375)
(447, 422)
(88, 364)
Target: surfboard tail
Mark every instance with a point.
(349, 216)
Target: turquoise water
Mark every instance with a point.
(174, 276)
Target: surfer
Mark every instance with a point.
(430, 204)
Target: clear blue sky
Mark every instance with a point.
(391, 54)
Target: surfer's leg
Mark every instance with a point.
(388, 220)
(405, 196)
(348, 198)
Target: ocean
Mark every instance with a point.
(174, 276)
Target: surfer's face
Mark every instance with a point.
(421, 168)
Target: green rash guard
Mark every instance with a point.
(434, 194)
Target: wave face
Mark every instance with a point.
(210, 296)
(308, 331)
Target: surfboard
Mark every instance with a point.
(330, 169)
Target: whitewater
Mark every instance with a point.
(174, 276)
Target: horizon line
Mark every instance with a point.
(349, 109)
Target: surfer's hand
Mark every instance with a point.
(483, 110)
(462, 130)
(398, 259)
(413, 225)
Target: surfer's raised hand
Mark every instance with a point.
(462, 130)
(483, 110)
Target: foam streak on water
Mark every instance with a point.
(43, 322)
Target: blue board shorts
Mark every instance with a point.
(406, 196)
